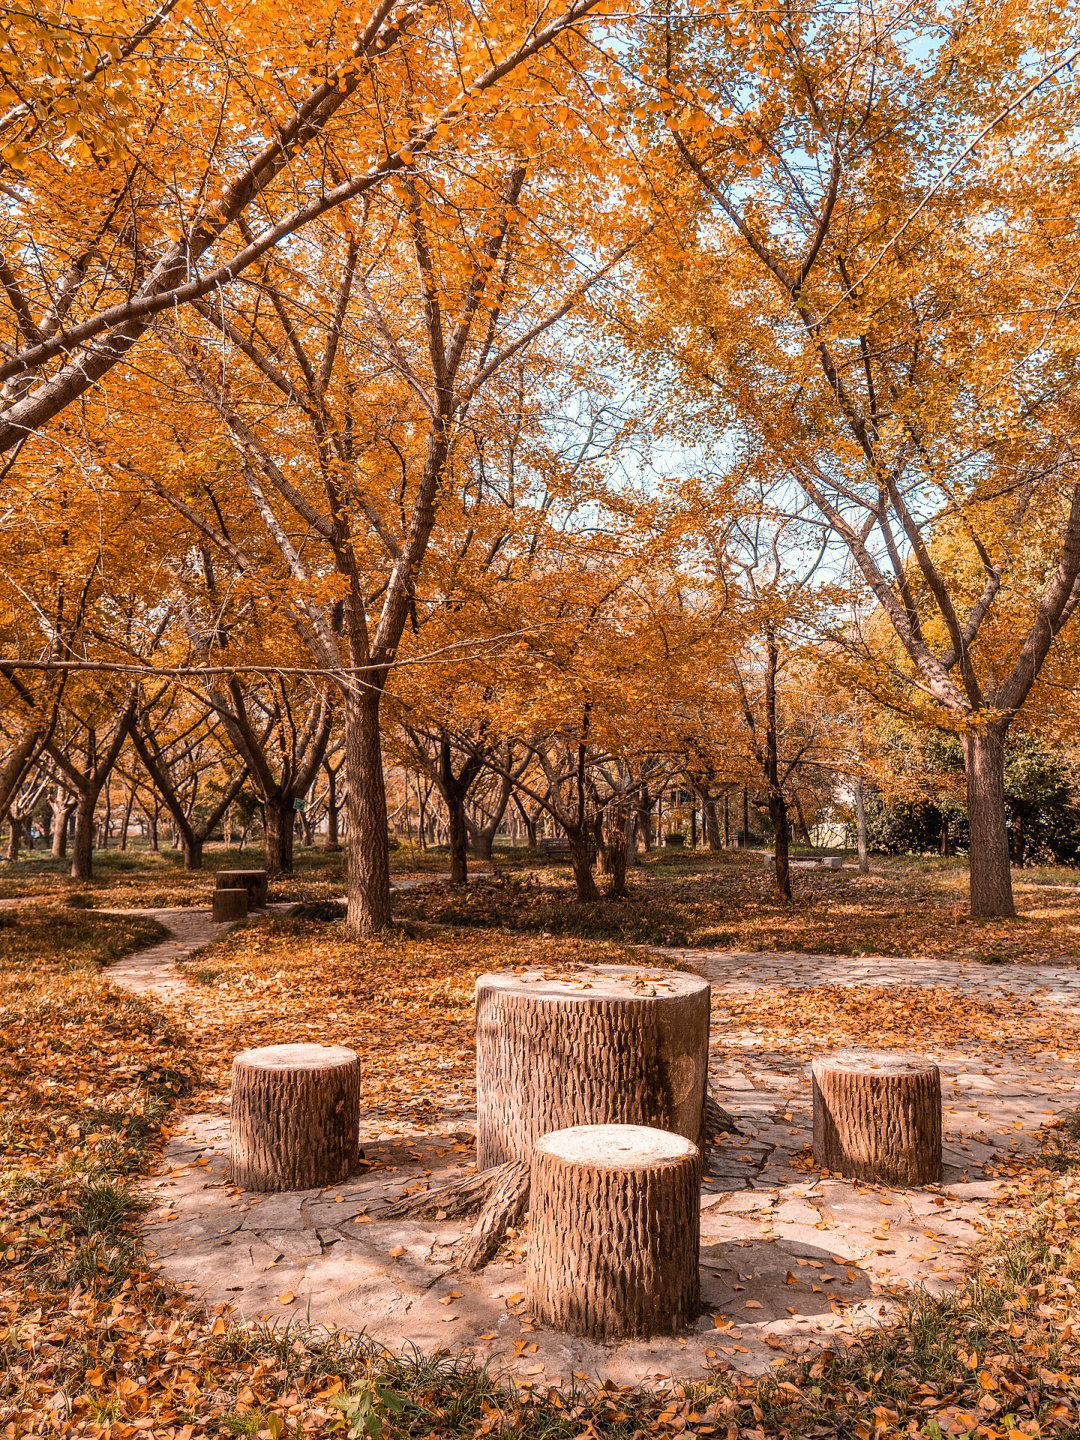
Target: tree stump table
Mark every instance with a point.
(295, 1117)
(254, 881)
(606, 1044)
(878, 1117)
(615, 1231)
(230, 904)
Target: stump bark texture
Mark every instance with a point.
(878, 1117)
(295, 1117)
(606, 1044)
(254, 881)
(230, 904)
(614, 1231)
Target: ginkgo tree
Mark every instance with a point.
(861, 272)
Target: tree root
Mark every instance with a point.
(506, 1204)
(463, 1196)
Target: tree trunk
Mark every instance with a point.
(193, 851)
(860, 826)
(367, 870)
(614, 1232)
(333, 841)
(711, 821)
(82, 842)
(459, 836)
(1018, 836)
(746, 814)
(14, 837)
(581, 859)
(727, 822)
(279, 818)
(990, 875)
(782, 842)
(645, 817)
(62, 812)
(595, 1046)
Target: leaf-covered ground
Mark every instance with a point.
(92, 1343)
(903, 907)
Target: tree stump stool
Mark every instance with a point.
(231, 904)
(254, 881)
(614, 1231)
(295, 1117)
(878, 1117)
(606, 1044)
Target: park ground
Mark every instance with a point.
(94, 1081)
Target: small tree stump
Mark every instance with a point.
(607, 1044)
(254, 881)
(295, 1117)
(230, 904)
(615, 1231)
(878, 1117)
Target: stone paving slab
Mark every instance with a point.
(790, 1259)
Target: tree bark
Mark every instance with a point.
(860, 826)
(82, 841)
(333, 841)
(782, 843)
(367, 870)
(279, 819)
(581, 861)
(614, 1232)
(600, 1045)
(459, 836)
(878, 1117)
(990, 874)
(295, 1117)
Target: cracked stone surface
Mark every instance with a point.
(789, 1258)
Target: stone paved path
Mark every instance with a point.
(789, 1259)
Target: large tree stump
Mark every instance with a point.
(615, 1231)
(606, 1044)
(254, 881)
(295, 1117)
(878, 1117)
(231, 904)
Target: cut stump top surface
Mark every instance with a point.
(595, 982)
(241, 874)
(296, 1057)
(873, 1062)
(616, 1147)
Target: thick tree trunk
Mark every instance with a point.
(990, 875)
(15, 831)
(606, 1044)
(860, 826)
(367, 870)
(614, 1232)
(712, 822)
(581, 860)
(62, 812)
(295, 1117)
(746, 815)
(645, 817)
(878, 1117)
(82, 841)
(193, 851)
(459, 836)
(280, 821)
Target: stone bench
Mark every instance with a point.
(253, 881)
(294, 1117)
(614, 1231)
(877, 1116)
